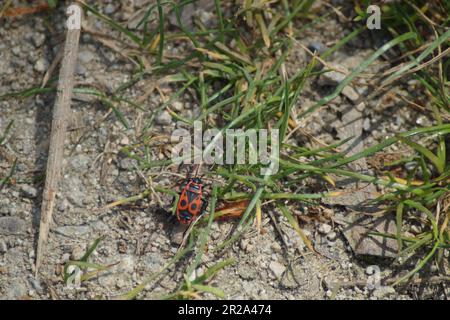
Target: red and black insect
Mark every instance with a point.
(191, 202)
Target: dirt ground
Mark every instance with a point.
(138, 237)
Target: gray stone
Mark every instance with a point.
(16, 50)
(107, 280)
(177, 233)
(383, 291)
(324, 228)
(5, 206)
(41, 65)
(77, 253)
(29, 191)
(110, 8)
(332, 236)
(290, 279)
(32, 58)
(85, 56)
(127, 163)
(122, 282)
(244, 243)
(3, 247)
(99, 226)
(35, 284)
(277, 268)
(80, 162)
(127, 264)
(350, 93)
(164, 118)
(81, 71)
(76, 197)
(12, 225)
(73, 186)
(73, 231)
(63, 205)
(65, 257)
(16, 290)
(38, 39)
(153, 261)
(293, 240)
(332, 78)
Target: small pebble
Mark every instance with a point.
(3, 247)
(422, 120)
(65, 257)
(332, 236)
(29, 191)
(85, 56)
(11, 225)
(350, 93)
(324, 228)
(277, 268)
(243, 244)
(276, 247)
(164, 118)
(316, 46)
(110, 8)
(125, 141)
(366, 124)
(177, 106)
(16, 50)
(35, 284)
(38, 39)
(332, 78)
(41, 65)
(77, 253)
(383, 291)
(73, 231)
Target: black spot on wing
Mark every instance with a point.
(185, 215)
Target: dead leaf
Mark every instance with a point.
(231, 209)
(20, 11)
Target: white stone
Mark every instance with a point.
(277, 268)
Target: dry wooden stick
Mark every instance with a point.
(59, 127)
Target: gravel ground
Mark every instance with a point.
(138, 237)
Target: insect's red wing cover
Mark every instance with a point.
(183, 202)
(195, 205)
(190, 202)
(195, 197)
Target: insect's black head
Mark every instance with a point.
(196, 180)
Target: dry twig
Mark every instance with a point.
(59, 127)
